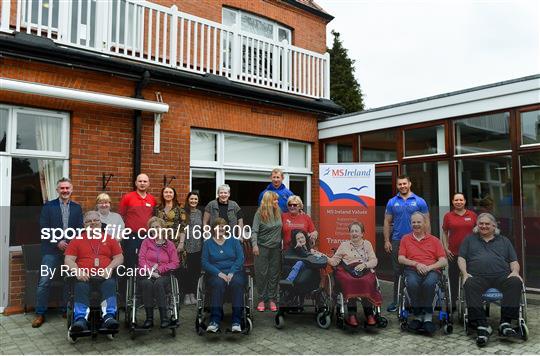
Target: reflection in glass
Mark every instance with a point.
(338, 152)
(298, 154)
(530, 127)
(33, 182)
(487, 185)
(39, 132)
(204, 183)
(483, 133)
(378, 146)
(530, 186)
(424, 141)
(3, 129)
(203, 146)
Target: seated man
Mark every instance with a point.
(488, 260)
(90, 256)
(423, 256)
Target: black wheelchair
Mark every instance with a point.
(493, 296)
(292, 297)
(441, 303)
(94, 317)
(134, 303)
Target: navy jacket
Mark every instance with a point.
(51, 217)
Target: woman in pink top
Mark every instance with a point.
(158, 255)
(355, 274)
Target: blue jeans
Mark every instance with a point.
(82, 290)
(44, 284)
(217, 292)
(421, 290)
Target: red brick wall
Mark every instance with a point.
(101, 137)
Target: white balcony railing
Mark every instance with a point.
(152, 33)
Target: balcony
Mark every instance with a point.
(151, 33)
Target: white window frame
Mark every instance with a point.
(275, 25)
(521, 144)
(64, 144)
(221, 168)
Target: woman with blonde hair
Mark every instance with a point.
(110, 221)
(266, 242)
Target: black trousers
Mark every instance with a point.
(154, 287)
(192, 272)
(453, 277)
(510, 288)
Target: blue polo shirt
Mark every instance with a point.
(401, 211)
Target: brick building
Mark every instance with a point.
(193, 93)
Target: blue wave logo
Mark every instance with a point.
(327, 171)
(358, 189)
(332, 197)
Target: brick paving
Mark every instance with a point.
(299, 336)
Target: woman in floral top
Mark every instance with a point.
(191, 243)
(172, 213)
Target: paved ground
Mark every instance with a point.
(300, 336)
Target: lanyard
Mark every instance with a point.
(95, 251)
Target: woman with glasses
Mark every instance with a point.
(297, 219)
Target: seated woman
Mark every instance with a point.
(302, 263)
(423, 256)
(355, 274)
(223, 261)
(158, 254)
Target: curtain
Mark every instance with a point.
(48, 132)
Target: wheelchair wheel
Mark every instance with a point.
(71, 339)
(382, 322)
(448, 329)
(324, 320)
(110, 336)
(279, 321)
(524, 331)
(248, 326)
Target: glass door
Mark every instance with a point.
(5, 193)
(385, 188)
(530, 190)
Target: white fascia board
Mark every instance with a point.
(81, 95)
(489, 99)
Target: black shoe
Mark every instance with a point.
(483, 334)
(110, 323)
(148, 324)
(415, 325)
(79, 326)
(429, 328)
(164, 318)
(506, 329)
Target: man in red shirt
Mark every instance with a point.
(423, 256)
(136, 209)
(93, 255)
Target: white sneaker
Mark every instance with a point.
(236, 328)
(193, 298)
(212, 328)
(187, 300)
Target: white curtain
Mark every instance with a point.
(48, 138)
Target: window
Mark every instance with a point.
(482, 134)
(424, 141)
(487, 185)
(298, 154)
(49, 13)
(338, 152)
(530, 187)
(3, 129)
(530, 127)
(203, 146)
(378, 146)
(39, 133)
(257, 56)
(249, 149)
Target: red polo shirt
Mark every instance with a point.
(87, 250)
(426, 251)
(136, 210)
(458, 227)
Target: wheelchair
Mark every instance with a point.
(291, 300)
(94, 317)
(441, 303)
(492, 296)
(203, 305)
(342, 312)
(134, 303)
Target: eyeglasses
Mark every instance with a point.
(293, 205)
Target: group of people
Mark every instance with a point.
(471, 246)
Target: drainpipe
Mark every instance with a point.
(137, 122)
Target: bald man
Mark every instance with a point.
(136, 209)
